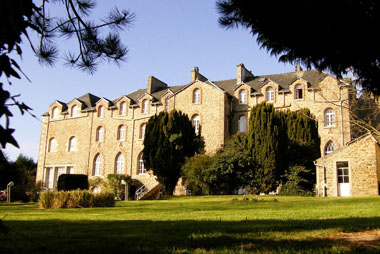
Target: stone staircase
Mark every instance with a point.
(149, 188)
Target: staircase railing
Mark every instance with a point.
(145, 188)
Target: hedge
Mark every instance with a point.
(68, 182)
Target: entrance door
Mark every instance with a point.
(343, 179)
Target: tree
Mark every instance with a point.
(337, 36)
(169, 139)
(20, 18)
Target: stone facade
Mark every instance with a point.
(96, 136)
(361, 158)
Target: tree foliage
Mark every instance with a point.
(328, 35)
(20, 19)
(169, 139)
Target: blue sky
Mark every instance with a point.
(168, 38)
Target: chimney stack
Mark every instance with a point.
(195, 75)
(154, 85)
(298, 68)
(243, 73)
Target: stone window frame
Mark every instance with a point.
(119, 164)
(142, 131)
(299, 92)
(243, 98)
(241, 125)
(99, 135)
(54, 113)
(197, 96)
(52, 145)
(100, 111)
(196, 122)
(329, 118)
(329, 147)
(119, 132)
(270, 95)
(123, 108)
(141, 169)
(72, 145)
(97, 165)
(145, 106)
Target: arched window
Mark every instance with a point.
(167, 105)
(123, 109)
(72, 144)
(270, 94)
(121, 133)
(330, 147)
(196, 96)
(74, 111)
(242, 124)
(100, 134)
(100, 111)
(142, 131)
(54, 113)
(196, 121)
(298, 92)
(119, 164)
(144, 106)
(52, 145)
(329, 117)
(243, 96)
(141, 165)
(97, 167)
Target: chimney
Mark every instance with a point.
(243, 73)
(154, 85)
(298, 68)
(195, 75)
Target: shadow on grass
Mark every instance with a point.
(184, 236)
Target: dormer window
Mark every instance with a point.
(298, 92)
(144, 106)
(197, 96)
(74, 111)
(243, 97)
(270, 94)
(167, 104)
(123, 109)
(100, 112)
(54, 113)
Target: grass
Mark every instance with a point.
(212, 224)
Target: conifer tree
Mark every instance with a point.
(169, 139)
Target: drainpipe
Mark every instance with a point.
(324, 177)
(133, 137)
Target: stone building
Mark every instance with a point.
(351, 170)
(96, 136)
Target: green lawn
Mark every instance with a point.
(215, 224)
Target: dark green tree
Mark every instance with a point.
(296, 31)
(23, 19)
(169, 139)
(266, 143)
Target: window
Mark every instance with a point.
(140, 165)
(49, 178)
(142, 131)
(329, 117)
(270, 94)
(298, 92)
(343, 174)
(74, 111)
(97, 165)
(243, 97)
(119, 164)
(101, 112)
(54, 113)
(52, 145)
(242, 124)
(330, 147)
(123, 109)
(197, 96)
(121, 133)
(196, 121)
(72, 144)
(70, 170)
(144, 106)
(100, 134)
(167, 104)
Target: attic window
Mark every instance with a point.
(101, 112)
(298, 92)
(74, 111)
(54, 113)
(242, 96)
(270, 94)
(144, 107)
(123, 109)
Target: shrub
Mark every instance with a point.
(46, 199)
(95, 182)
(113, 184)
(68, 182)
(59, 199)
(296, 184)
(86, 198)
(73, 199)
(104, 199)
